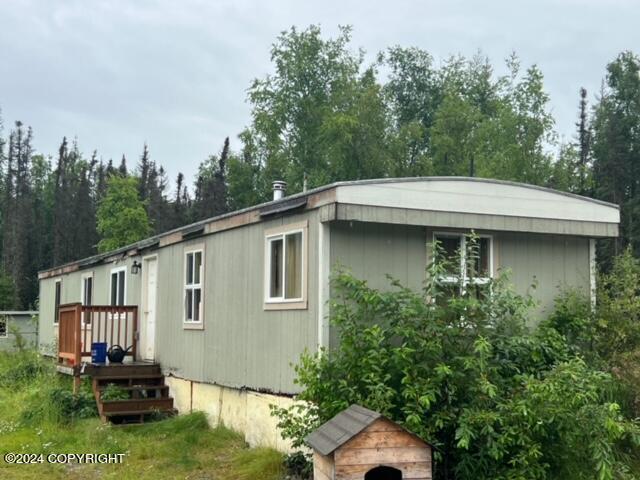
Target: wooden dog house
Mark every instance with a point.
(360, 444)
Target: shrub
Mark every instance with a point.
(55, 402)
(461, 369)
(114, 392)
(607, 336)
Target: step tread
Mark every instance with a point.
(102, 388)
(133, 412)
(128, 377)
(146, 400)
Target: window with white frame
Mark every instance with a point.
(118, 289)
(87, 290)
(56, 301)
(4, 330)
(86, 295)
(194, 277)
(468, 260)
(285, 269)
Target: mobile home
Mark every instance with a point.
(226, 305)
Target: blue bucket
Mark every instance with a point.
(98, 352)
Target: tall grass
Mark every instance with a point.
(38, 414)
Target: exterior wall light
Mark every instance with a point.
(136, 267)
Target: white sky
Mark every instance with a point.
(174, 73)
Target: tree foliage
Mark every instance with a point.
(121, 217)
(496, 399)
(616, 149)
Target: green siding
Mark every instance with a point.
(25, 325)
(372, 250)
(554, 262)
(71, 293)
(242, 345)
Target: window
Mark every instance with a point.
(467, 263)
(56, 305)
(86, 294)
(3, 326)
(285, 268)
(87, 290)
(118, 286)
(194, 276)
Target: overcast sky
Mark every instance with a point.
(116, 73)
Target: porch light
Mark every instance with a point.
(136, 267)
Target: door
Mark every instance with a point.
(149, 290)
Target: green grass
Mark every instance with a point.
(37, 415)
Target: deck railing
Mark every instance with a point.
(80, 325)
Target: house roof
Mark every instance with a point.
(341, 428)
(463, 195)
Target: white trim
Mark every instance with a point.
(83, 277)
(324, 286)
(592, 272)
(111, 272)
(281, 235)
(143, 303)
(193, 249)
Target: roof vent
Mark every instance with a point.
(279, 189)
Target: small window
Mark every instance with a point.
(87, 291)
(118, 286)
(4, 331)
(86, 295)
(56, 304)
(466, 261)
(285, 269)
(194, 274)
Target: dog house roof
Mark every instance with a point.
(341, 428)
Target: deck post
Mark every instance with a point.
(134, 350)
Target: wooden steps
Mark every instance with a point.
(130, 393)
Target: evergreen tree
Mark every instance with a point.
(211, 186)
(17, 237)
(63, 207)
(584, 144)
(180, 203)
(122, 169)
(616, 149)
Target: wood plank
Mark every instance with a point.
(386, 456)
(384, 439)
(410, 470)
(322, 464)
(384, 425)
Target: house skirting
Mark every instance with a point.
(244, 411)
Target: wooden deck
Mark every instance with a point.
(140, 386)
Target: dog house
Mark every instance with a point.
(360, 444)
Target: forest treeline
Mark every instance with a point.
(325, 114)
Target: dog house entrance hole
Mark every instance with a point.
(383, 473)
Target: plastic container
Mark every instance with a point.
(99, 352)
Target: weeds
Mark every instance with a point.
(39, 414)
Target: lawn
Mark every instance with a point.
(38, 414)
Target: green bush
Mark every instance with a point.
(608, 336)
(55, 402)
(460, 368)
(114, 392)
